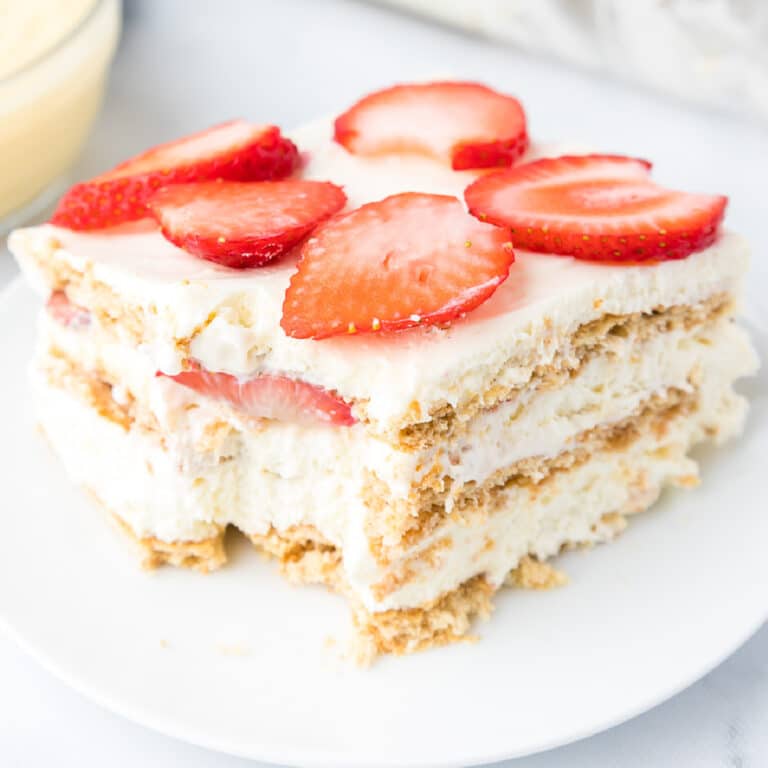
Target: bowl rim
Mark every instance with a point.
(62, 42)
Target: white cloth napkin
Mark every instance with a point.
(710, 51)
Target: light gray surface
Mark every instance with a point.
(185, 64)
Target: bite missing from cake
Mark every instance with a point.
(415, 461)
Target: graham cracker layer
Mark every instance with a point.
(305, 557)
(446, 422)
(606, 336)
(397, 525)
(205, 555)
(85, 290)
(394, 525)
(62, 372)
(95, 387)
(442, 622)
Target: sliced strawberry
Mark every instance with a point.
(270, 397)
(407, 260)
(597, 208)
(243, 224)
(465, 124)
(63, 311)
(235, 151)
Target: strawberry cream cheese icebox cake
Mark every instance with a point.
(410, 353)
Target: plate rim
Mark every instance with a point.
(303, 759)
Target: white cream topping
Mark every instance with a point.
(233, 317)
(545, 299)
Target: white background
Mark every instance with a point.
(185, 64)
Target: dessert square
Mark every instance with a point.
(410, 415)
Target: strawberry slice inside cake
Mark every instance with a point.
(403, 375)
(265, 396)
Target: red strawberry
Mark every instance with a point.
(406, 260)
(596, 207)
(466, 124)
(243, 224)
(270, 397)
(63, 311)
(235, 151)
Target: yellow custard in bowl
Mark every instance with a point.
(54, 58)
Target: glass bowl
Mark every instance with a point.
(48, 104)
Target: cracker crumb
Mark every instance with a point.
(233, 649)
(533, 574)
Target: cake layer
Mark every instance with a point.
(477, 450)
(403, 492)
(205, 469)
(176, 307)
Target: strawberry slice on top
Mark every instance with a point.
(410, 259)
(243, 224)
(597, 208)
(236, 151)
(270, 397)
(467, 125)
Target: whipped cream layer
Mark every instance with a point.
(204, 466)
(157, 496)
(537, 422)
(229, 320)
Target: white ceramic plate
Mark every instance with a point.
(241, 662)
